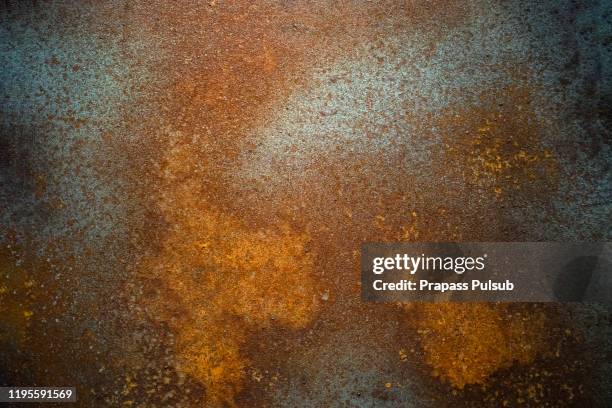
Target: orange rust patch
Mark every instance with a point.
(494, 148)
(214, 278)
(466, 343)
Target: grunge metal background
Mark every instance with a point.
(184, 187)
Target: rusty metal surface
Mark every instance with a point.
(184, 187)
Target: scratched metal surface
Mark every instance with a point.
(184, 187)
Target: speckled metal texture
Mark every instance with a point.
(184, 187)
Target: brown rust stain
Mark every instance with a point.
(16, 298)
(35, 327)
(497, 147)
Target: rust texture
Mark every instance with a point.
(185, 186)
